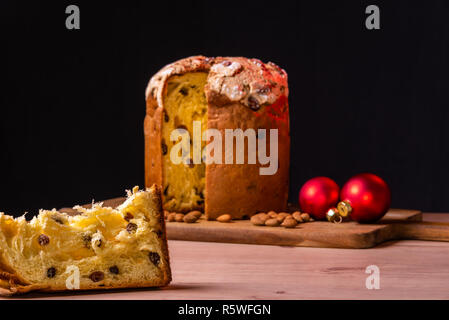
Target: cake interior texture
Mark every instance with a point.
(185, 102)
(112, 248)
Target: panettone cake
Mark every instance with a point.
(223, 93)
(97, 248)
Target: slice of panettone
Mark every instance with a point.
(99, 248)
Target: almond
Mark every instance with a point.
(272, 222)
(224, 218)
(281, 216)
(289, 222)
(272, 214)
(257, 220)
(190, 218)
(297, 216)
(262, 216)
(196, 213)
(305, 217)
(171, 217)
(179, 217)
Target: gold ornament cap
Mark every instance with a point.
(333, 215)
(344, 209)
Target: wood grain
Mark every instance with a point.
(312, 234)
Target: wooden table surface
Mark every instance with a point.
(408, 270)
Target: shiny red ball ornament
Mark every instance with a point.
(317, 196)
(368, 196)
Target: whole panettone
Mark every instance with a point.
(220, 93)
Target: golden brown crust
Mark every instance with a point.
(11, 284)
(16, 289)
(241, 93)
(168, 276)
(243, 191)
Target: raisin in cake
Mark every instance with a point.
(110, 248)
(222, 93)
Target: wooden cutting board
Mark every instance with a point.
(396, 225)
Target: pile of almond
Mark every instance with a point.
(270, 219)
(190, 217)
(283, 219)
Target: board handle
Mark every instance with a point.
(414, 230)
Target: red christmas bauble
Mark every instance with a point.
(368, 195)
(317, 196)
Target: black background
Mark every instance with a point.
(72, 101)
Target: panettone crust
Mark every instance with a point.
(241, 93)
